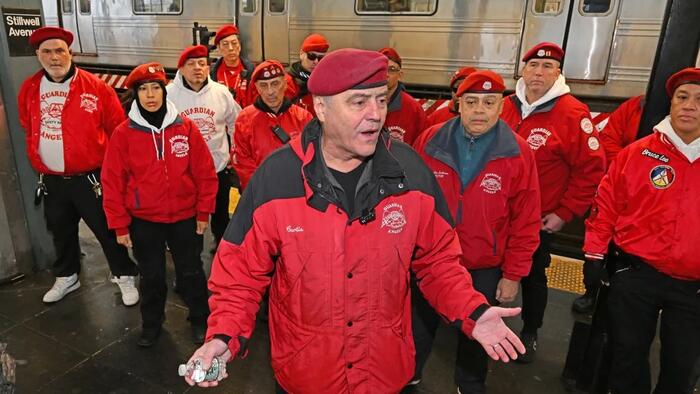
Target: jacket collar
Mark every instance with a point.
(137, 122)
(544, 107)
(395, 100)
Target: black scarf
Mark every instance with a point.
(260, 104)
(71, 72)
(155, 119)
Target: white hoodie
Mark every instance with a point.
(559, 88)
(213, 110)
(691, 150)
(170, 116)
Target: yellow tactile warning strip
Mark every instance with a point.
(566, 274)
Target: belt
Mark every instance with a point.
(76, 175)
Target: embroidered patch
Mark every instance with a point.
(396, 132)
(491, 183)
(540, 53)
(658, 156)
(88, 102)
(486, 85)
(593, 143)
(179, 145)
(393, 218)
(439, 174)
(538, 138)
(662, 176)
(587, 126)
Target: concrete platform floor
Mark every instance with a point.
(87, 343)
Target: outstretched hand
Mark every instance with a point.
(497, 339)
(207, 352)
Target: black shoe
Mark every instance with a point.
(584, 303)
(530, 342)
(149, 336)
(199, 332)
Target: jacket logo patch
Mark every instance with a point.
(439, 174)
(179, 145)
(658, 156)
(396, 132)
(538, 138)
(586, 125)
(295, 229)
(593, 143)
(491, 183)
(393, 218)
(88, 102)
(662, 176)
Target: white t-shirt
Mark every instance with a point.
(52, 99)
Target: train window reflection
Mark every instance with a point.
(548, 7)
(247, 6)
(67, 6)
(411, 7)
(157, 6)
(276, 5)
(595, 6)
(84, 6)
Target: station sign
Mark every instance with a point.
(20, 23)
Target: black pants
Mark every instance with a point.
(220, 218)
(637, 294)
(534, 286)
(472, 361)
(70, 199)
(149, 240)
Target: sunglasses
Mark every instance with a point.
(313, 57)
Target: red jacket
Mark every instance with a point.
(570, 160)
(622, 126)
(498, 212)
(648, 205)
(137, 183)
(254, 138)
(405, 118)
(91, 112)
(340, 304)
(442, 114)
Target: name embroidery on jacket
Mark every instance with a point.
(657, 156)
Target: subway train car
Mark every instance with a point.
(610, 44)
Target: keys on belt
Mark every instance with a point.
(96, 185)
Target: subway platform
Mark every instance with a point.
(86, 343)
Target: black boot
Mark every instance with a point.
(149, 336)
(584, 303)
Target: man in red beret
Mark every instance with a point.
(570, 163)
(489, 179)
(451, 109)
(212, 108)
(231, 69)
(68, 115)
(405, 117)
(647, 205)
(333, 223)
(268, 124)
(313, 49)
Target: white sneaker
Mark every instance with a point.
(130, 295)
(62, 286)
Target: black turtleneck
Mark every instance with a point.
(187, 85)
(155, 119)
(260, 104)
(71, 72)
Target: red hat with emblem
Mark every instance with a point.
(47, 33)
(460, 74)
(484, 81)
(686, 75)
(545, 50)
(267, 70)
(193, 52)
(391, 54)
(224, 32)
(149, 72)
(346, 69)
(315, 43)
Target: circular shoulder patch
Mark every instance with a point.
(662, 176)
(593, 143)
(586, 125)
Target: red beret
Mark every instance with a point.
(224, 32)
(460, 74)
(483, 81)
(545, 50)
(686, 75)
(193, 52)
(267, 70)
(46, 33)
(149, 72)
(315, 43)
(391, 54)
(346, 69)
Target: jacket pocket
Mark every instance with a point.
(394, 278)
(302, 287)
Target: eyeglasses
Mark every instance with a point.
(314, 56)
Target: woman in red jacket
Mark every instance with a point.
(160, 186)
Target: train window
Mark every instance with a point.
(84, 6)
(247, 6)
(548, 7)
(409, 7)
(67, 6)
(595, 6)
(157, 6)
(277, 6)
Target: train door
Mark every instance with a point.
(77, 17)
(584, 28)
(264, 29)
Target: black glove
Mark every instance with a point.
(594, 273)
